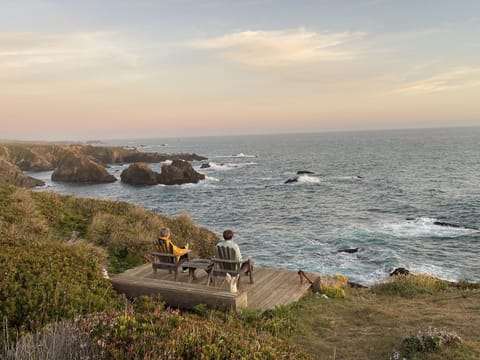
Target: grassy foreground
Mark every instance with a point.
(369, 324)
(54, 303)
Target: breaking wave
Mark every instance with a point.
(426, 227)
(307, 179)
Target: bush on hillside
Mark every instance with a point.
(432, 339)
(410, 285)
(333, 286)
(126, 231)
(47, 281)
(155, 333)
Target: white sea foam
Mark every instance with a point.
(211, 178)
(425, 227)
(244, 155)
(167, 162)
(441, 272)
(226, 166)
(308, 179)
(348, 178)
(239, 155)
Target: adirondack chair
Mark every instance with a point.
(225, 263)
(164, 258)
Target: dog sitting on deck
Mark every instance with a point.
(233, 281)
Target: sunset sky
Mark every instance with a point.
(100, 69)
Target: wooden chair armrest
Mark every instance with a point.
(225, 261)
(161, 254)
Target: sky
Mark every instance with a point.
(105, 69)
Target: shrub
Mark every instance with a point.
(410, 285)
(333, 286)
(429, 340)
(47, 281)
(153, 334)
(126, 231)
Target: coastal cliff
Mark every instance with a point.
(72, 163)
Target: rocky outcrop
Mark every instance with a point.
(205, 166)
(84, 163)
(43, 157)
(117, 155)
(12, 174)
(349, 250)
(400, 271)
(304, 172)
(27, 158)
(139, 174)
(81, 169)
(179, 172)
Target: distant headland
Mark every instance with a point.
(78, 163)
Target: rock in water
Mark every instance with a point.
(399, 271)
(179, 172)
(81, 169)
(349, 251)
(289, 181)
(303, 172)
(139, 174)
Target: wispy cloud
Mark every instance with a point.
(279, 48)
(33, 51)
(458, 78)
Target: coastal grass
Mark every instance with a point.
(368, 324)
(410, 285)
(127, 232)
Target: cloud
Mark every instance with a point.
(279, 48)
(37, 52)
(458, 78)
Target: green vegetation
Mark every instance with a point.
(411, 285)
(53, 299)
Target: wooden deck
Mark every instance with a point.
(272, 287)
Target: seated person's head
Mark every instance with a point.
(228, 234)
(164, 232)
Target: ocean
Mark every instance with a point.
(387, 193)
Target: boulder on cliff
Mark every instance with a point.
(139, 174)
(81, 169)
(12, 174)
(179, 172)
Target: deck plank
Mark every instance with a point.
(272, 287)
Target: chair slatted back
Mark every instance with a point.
(228, 254)
(167, 249)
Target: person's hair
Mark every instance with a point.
(228, 234)
(164, 232)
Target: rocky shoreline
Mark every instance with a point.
(82, 163)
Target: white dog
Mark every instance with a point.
(233, 281)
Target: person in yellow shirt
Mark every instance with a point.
(180, 253)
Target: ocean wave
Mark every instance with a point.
(228, 166)
(308, 179)
(210, 178)
(426, 227)
(348, 178)
(239, 155)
